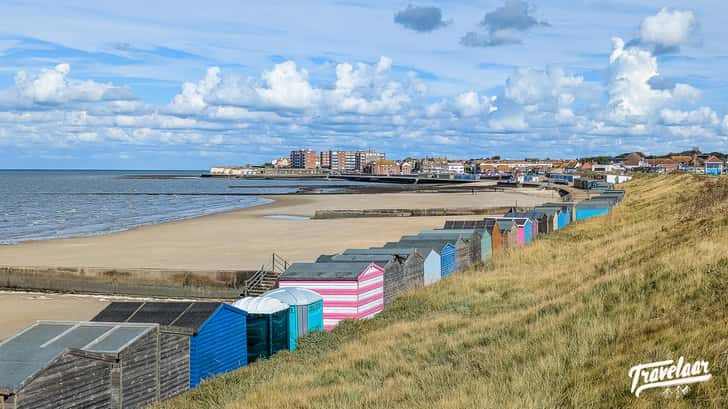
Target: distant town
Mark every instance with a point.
(309, 162)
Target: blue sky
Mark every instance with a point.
(185, 85)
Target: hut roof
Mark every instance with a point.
(486, 224)
(379, 259)
(548, 210)
(419, 242)
(294, 295)
(401, 252)
(325, 271)
(463, 232)
(190, 315)
(535, 214)
(33, 349)
(260, 305)
(593, 204)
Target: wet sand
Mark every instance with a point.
(245, 239)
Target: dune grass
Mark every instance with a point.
(555, 325)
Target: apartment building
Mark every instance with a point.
(304, 159)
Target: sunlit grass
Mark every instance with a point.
(555, 325)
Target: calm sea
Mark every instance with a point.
(37, 205)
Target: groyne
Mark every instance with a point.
(457, 211)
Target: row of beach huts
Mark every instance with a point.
(135, 353)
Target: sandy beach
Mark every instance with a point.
(22, 309)
(245, 239)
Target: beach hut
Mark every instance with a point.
(444, 248)
(472, 237)
(554, 218)
(349, 290)
(591, 208)
(431, 261)
(508, 232)
(305, 312)
(266, 324)
(218, 342)
(488, 228)
(462, 251)
(524, 228)
(72, 364)
(396, 278)
(414, 263)
(568, 212)
(539, 221)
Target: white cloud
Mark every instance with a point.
(631, 97)
(472, 104)
(52, 86)
(669, 29)
(288, 87)
(701, 116)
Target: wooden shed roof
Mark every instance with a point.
(27, 353)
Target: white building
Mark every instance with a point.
(232, 171)
(456, 167)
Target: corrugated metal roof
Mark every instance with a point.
(31, 350)
(190, 315)
(324, 271)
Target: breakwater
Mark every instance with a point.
(457, 211)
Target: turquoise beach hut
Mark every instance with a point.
(305, 312)
(267, 326)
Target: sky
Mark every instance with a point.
(188, 85)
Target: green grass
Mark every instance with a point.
(555, 325)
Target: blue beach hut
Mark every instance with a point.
(591, 208)
(305, 313)
(218, 342)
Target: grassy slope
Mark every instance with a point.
(557, 324)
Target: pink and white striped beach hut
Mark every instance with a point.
(349, 290)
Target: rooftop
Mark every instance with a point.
(325, 271)
(189, 315)
(33, 349)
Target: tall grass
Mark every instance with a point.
(555, 325)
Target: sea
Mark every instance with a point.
(49, 204)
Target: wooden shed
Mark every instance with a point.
(431, 262)
(267, 326)
(305, 313)
(218, 342)
(462, 250)
(349, 290)
(569, 208)
(71, 364)
(508, 232)
(446, 250)
(414, 263)
(474, 238)
(556, 220)
(488, 228)
(524, 228)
